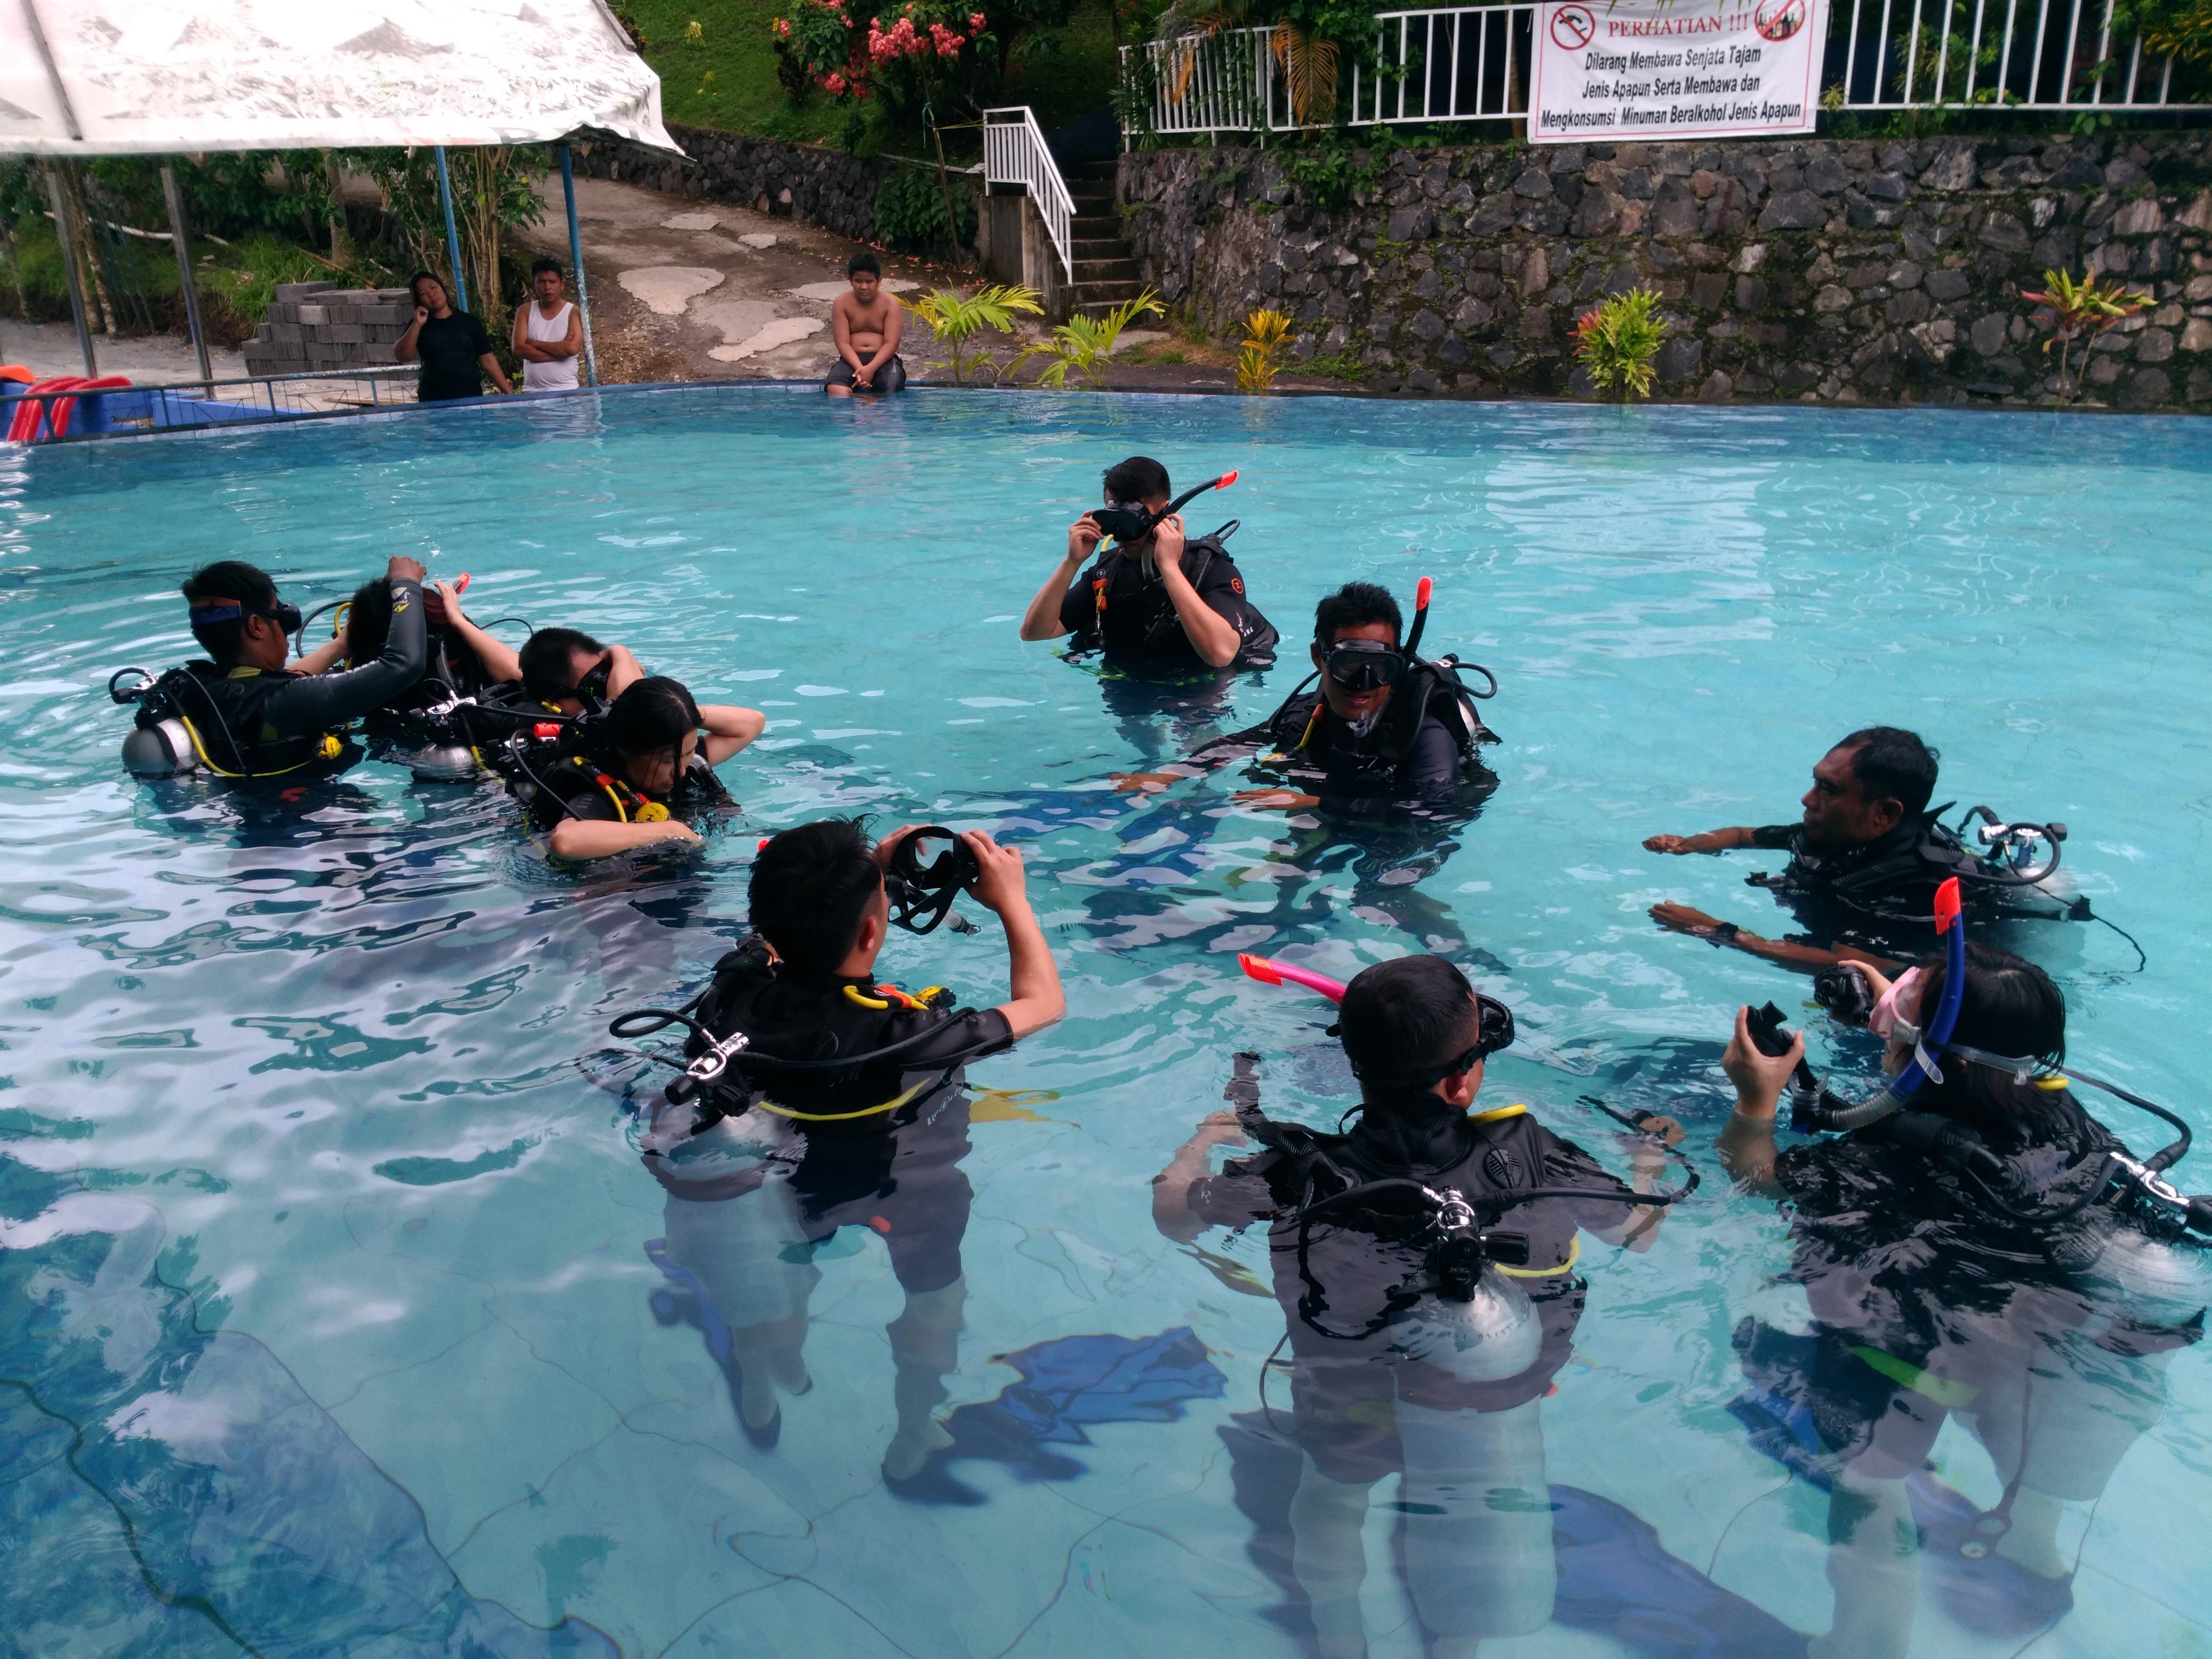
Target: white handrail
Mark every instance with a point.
(1015, 153)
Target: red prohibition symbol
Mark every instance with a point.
(1572, 27)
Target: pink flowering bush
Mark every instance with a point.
(948, 54)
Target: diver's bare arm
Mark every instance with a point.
(1002, 887)
(729, 728)
(596, 838)
(501, 664)
(1709, 841)
(1746, 1140)
(1212, 634)
(323, 658)
(1171, 1186)
(1042, 620)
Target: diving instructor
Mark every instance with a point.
(1160, 604)
(1861, 850)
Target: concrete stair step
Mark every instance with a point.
(1105, 271)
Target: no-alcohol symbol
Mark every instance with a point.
(1572, 28)
(1777, 19)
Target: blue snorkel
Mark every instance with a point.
(1811, 1112)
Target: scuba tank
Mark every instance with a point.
(1476, 1325)
(158, 745)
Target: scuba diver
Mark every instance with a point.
(1972, 1244)
(1155, 603)
(1424, 1260)
(814, 1097)
(1866, 858)
(623, 778)
(243, 714)
(1387, 733)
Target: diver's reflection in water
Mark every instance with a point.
(754, 1198)
(1165, 717)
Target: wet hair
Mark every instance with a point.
(368, 621)
(415, 287)
(1888, 760)
(2011, 1008)
(652, 716)
(864, 261)
(227, 579)
(1406, 1016)
(546, 659)
(1140, 478)
(1354, 605)
(539, 267)
(809, 891)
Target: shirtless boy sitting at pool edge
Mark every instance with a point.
(867, 324)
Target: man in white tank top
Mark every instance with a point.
(548, 334)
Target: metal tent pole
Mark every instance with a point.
(576, 264)
(176, 200)
(452, 236)
(65, 234)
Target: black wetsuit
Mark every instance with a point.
(1418, 751)
(254, 722)
(1114, 606)
(1362, 1262)
(875, 1144)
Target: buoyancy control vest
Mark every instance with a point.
(219, 716)
(1136, 618)
(831, 1055)
(1427, 688)
(546, 774)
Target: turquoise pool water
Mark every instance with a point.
(327, 1319)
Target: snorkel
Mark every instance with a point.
(1810, 1112)
(1128, 524)
(1270, 972)
(1421, 592)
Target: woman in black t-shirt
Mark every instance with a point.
(455, 351)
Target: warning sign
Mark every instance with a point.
(1674, 68)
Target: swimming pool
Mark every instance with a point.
(327, 1318)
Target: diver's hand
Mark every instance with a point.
(1083, 538)
(1667, 844)
(1683, 920)
(1878, 985)
(889, 844)
(403, 569)
(1758, 1078)
(448, 607)
(1126, 783)
(1167, 544)
(1001, 886)
(1275, 800)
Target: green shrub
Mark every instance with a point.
(910, 210)
(1616, 341)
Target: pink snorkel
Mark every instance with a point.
(1268, 972)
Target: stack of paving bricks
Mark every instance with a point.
(317, 325)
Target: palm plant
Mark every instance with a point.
(1266, 330)
(954, 319)
(1616, 341)
(1309, 66)
(2087, 308)
(1084, 344)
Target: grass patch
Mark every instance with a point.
(1333, 366)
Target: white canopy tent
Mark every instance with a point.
(83, 78)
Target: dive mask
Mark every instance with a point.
(286, 617)
(1363, 664)
(921, 894)
(1132, 522)
(592, 688)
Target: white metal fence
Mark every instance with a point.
(1015, 154)
(1470, 64)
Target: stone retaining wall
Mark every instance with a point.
(1824, 270)
(825, 187)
